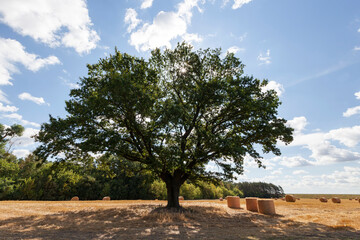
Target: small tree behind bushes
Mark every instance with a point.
(260, 189)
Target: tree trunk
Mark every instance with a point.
(173, 191)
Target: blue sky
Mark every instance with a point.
(308, 50)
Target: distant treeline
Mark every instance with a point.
(260, 189)
(27, 179)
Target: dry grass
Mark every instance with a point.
(206, 219)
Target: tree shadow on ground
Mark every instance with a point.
(145, 222)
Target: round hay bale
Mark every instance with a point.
(266, 206)
(350, 199)
(181, 198)
(107, 198)
(75, 198)
(298, 199)
(251, 204)
(323, 199)
(336, 200)
(233, 201)
(221, 199)
(226, 197)
(290, 198)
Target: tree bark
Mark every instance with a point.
(173, 191)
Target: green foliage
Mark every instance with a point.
(190, 191)
(158, 188)
(8, 169)
(172, 115)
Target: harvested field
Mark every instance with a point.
(207, 219)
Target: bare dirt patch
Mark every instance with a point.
(305, 219)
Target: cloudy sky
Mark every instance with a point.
(308, 50)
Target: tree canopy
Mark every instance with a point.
(173, 114)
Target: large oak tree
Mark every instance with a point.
(173, 114)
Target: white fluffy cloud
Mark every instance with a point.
(298, 124)
(351, 111)
(12, 52)
(20, 119)
(350, 137)
(192, 37)
(131, 19)
(165, 27)
(21, 153)
(322, 150)
(239, 3)
(7, 108)
(146, 4)
(46, 21)
(29, 97)
(264, 59)
(235, 49)
(354, 110)
(272, 85)
(357, 95)
(324, 153)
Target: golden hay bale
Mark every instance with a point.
(233, 201)
(251, 204)
(181, 198)
(323, 199)
(336, 200)
(107, 198)
(266, 206)
(283, 199)
(75, 198)
(221, 199)
(290, 198)
(298, 199)
(226, 197)
(350, 199)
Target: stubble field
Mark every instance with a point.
(206, 219)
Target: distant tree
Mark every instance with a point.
(260, 189)
(172, 114)
(6, 134)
